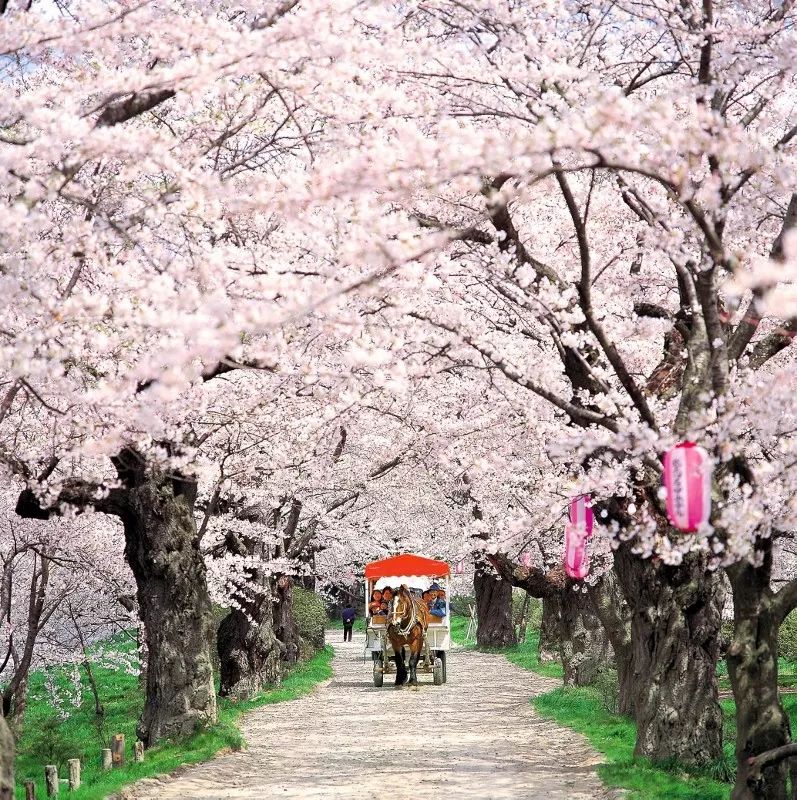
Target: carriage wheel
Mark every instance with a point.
(379, 676)
(437, 672)
(441, 654)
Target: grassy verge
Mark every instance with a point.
(613, 736)
(49, 739)
(459, 627)
(526, 655)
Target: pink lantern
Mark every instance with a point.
(687, 479)
(581, 513)
(576, 561)
(525, 559)
(459, 568)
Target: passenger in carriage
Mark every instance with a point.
(375, 606)
(437, 607)
(387, 596)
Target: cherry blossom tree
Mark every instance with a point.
(637, 159)
(313, 280)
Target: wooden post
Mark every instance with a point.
(51, 778)
(118, 749)
(74, 774)
(138, 751)
(106, 758)
(30, 790)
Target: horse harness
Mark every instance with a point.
(413, 618)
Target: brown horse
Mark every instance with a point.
(407, 624)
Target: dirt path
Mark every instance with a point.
(474, 737)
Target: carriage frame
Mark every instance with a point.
(417, 572)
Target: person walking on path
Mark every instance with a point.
(348, 621)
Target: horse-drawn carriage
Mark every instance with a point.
(407, 625)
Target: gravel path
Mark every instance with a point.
(474, 737)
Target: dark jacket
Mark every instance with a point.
(349, 614)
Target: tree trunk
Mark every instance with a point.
(614, 614)
(584, 645)
(550, 629)
(6, 761)
(523, 621)
(162, 549)
(19, 702)
(675, 629)
(15, 695)
(143, 657)
(493, 609)
(761, 721)
(285, 626)
(249, 653)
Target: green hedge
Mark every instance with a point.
(787, 638)
(310, 616)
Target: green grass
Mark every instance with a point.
(581, 709)
(459, 627)
(47, 739)
(614, 736)
(526, 655)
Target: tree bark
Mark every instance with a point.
(676, 613)
(162, 549)
(493, 609)
(523, 619)
(6, 761)
(285, 626)
(570, 629)
(761, 721)
(15, 695)
(249, 653)
(614, 614)
(584, 646)
(550, 629)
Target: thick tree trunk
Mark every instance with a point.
(761, 721)
(550, 629)
(614, 614)
(675, 628)
(285, 626)
(162, 549)
(493, 609)
(584, 646)
(249, 653)
(6, 762)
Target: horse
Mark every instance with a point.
(407, 623)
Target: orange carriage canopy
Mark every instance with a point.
(407, 564)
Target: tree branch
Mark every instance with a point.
(585, 294)
(573, 411)
(785, 600)
(535, 581)
(768, 759)
(79, 494)
(746, 329)
(136, 104)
